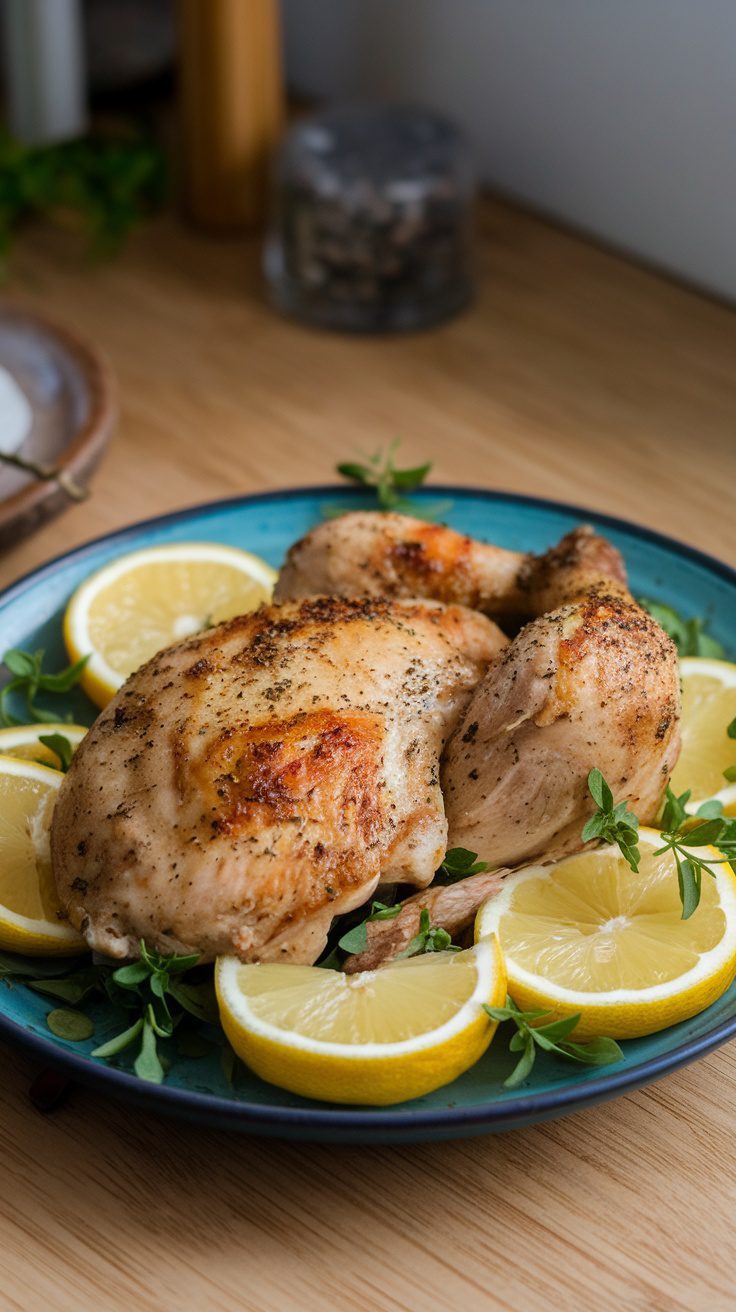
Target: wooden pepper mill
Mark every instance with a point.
(232, 108)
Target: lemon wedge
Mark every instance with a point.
(708, 707)
(22, 740)
(132, 608)
(30, 915)
(379, 1037)
(588, 935)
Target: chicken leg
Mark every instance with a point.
(369, 553)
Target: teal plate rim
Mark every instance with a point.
(333, 1122)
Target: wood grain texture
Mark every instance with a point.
(575, 376)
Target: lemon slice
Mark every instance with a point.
(145, 601)
(708, 707)
(22, 740)
(379, 1037)
(30, 915)
(589, 935)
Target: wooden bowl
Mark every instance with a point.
(71, 393)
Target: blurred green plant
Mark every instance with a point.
(110, 183)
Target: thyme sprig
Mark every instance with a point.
(459, 863)
(29, 679)
(550, 1037)
(682, 834)
(391, 485)
(612, 822)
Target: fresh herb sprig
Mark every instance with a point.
(682, 834)
(29, 679)
(612, 822)
(381, 473)
(59, 744)
(112, 183)
(551, 1037)
(459, 863)
(430, 938)
(146, 988)
(154, 991)
(391, 485)
(356, 939)
(688, 635)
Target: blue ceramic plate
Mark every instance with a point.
(30, 616)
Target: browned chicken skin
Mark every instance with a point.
(249, 784)
(368, 554)
(591, 681)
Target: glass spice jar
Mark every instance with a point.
(372, 223)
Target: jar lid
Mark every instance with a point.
(400, 151)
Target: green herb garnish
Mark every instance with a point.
(459, 863)
(381, 473)
(59, 744)
(390, 484)
(148, 986)
(356, 939)
(154, 990)
(612, 822)
(73, 1026)
(681, 832)
(29, 680)
(111, 183)
(552, 1037)
(430, 938)
(688, 635)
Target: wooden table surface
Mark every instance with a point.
(575, 376)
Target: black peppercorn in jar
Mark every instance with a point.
(372, 220)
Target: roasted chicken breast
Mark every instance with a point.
(249, 784)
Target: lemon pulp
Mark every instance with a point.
(379, 1037)
(22, 741)
(589, 935)
(708, 707)
(598, 928)
(25, 814)
(375, 1007)
(30, 914)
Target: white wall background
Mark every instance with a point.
(616, 115)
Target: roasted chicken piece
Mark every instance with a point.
(252, 782)
(592, 680)
(383, 554)
(452, 906)
(593, 683)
